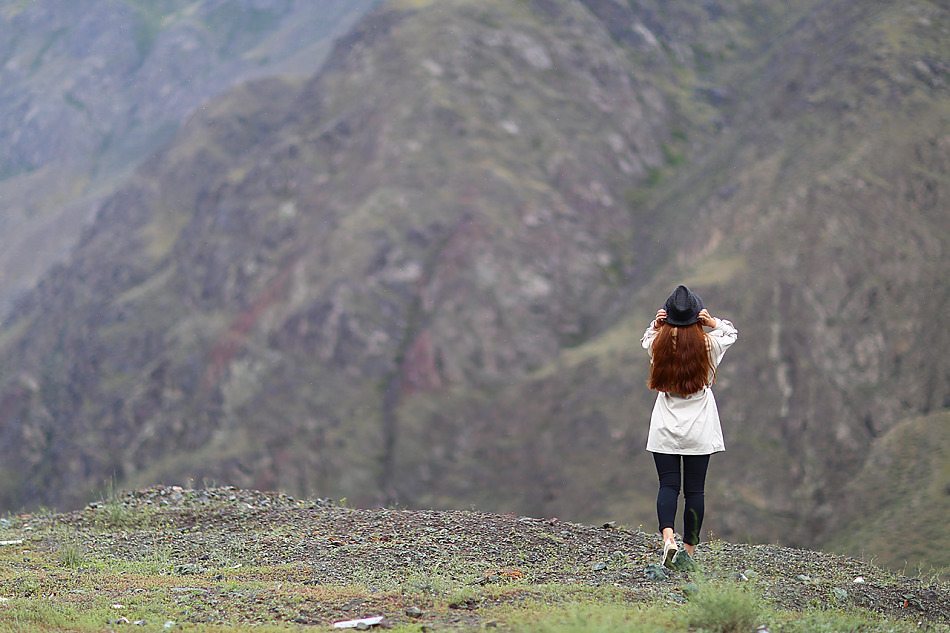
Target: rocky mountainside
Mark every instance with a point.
(421, 276)
(88, 90)
(904, 476)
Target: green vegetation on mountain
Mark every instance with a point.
(88, 91)
(903, 487)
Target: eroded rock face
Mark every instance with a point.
(79, 80)
(390, 227)
(88, 91)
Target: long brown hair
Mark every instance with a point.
(682, 363)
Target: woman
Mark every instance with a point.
(684, 427)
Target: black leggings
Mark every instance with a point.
(694, 484)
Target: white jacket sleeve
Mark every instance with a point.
(647, 339)
(723, 336)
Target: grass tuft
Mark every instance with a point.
(71, 556)
(723, 608)
(833, 622)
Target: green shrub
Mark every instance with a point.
(723, 609)
(71, 556)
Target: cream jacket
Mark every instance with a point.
(689, 425)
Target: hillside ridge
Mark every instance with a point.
(213, 539)
(88, 93)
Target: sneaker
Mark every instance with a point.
(670, 550)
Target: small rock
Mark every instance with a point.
(610, 525)
(414, 612)
(690, 589)
(655, 573)
(840, 594)
(805, 579)
(600, 566)
(187, 570)
(362, 624)
(859, 580)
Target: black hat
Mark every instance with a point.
(683, 306)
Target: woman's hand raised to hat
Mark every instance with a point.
(660, 318)
(705, 319)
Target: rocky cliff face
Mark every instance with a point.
(87, 91)
(846, 254)
(373, 233)
(421, 276)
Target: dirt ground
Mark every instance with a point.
(214, 535)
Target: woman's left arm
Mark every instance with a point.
(724, 333)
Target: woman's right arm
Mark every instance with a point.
(652, 329)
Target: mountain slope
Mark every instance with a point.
(847, 252)
(814, 220)
(88, 91)
(903, 482)
(332, 237)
